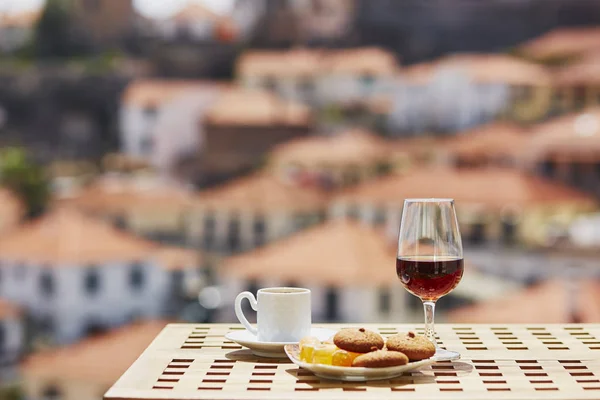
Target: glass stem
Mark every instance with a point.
(429, 308)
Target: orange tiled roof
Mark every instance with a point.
(98, 360)
(338, 253)
(65, 237)
(154, 92)
(353, 147)
(256, 107)
(547, 303)
(496, 141)
(362, 60)
(490, 188)
(174, 258)
(121, 196)
(8, 310)
(262, 193)
(304, 63)
(485, 68)
(562, 42)
(566, 135)
(294, 62)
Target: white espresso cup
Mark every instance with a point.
(283, 313)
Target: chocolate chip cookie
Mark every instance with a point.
(380, 358)
(358, 340)
(416, 347)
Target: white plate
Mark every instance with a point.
(271, 349)
(353, 374)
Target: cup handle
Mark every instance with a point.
(240, 314)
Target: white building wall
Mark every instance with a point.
(13, 345)
(72, 308)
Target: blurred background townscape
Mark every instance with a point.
(159, 157)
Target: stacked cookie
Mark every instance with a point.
(359, 347)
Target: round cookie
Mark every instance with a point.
(358, 340)
(414, 346)
(380, 358)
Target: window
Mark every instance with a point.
(177, 282)
(150, 111)
(120, 222)
(46, 326)
(577, 172)
(579, 97)
(94, 328)
(253, 287)
(270, 83)
(306, 87)
(385, 301)
(509, 232)
(209, 229)
(367, 80)
(92, 281)
(47, 284)
(136, 277)
(353, 211)
(51, 392)
(259, 230)
(477, 234)
(380, 216)
(2, 337)
(233, 234)
(548, 168)
(146, 145)
(331, 304)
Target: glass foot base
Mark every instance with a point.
(445, 355)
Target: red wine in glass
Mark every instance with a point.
(429, 278)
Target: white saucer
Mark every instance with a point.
(271, 349)
(353, 374)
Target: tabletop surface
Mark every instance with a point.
(195, 361)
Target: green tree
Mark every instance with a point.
(56, 34)
(26, 178)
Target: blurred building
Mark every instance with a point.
(319, 77)
(75, 275)
(498, 144)
(12, 335)
(86, 370)
(335, 161)
(192, 22)
(303, 22)
(251, 211)
(494, 205)
(561, 45)
(461, 91)
(17, 29)
(108, 22)
(148, 206)
(159, 119)
(242, 126)
(567, 150)
(348, 267)
(577, 85)
(551, 302)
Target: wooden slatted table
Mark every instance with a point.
(194, 361)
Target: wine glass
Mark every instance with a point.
(430, 256)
